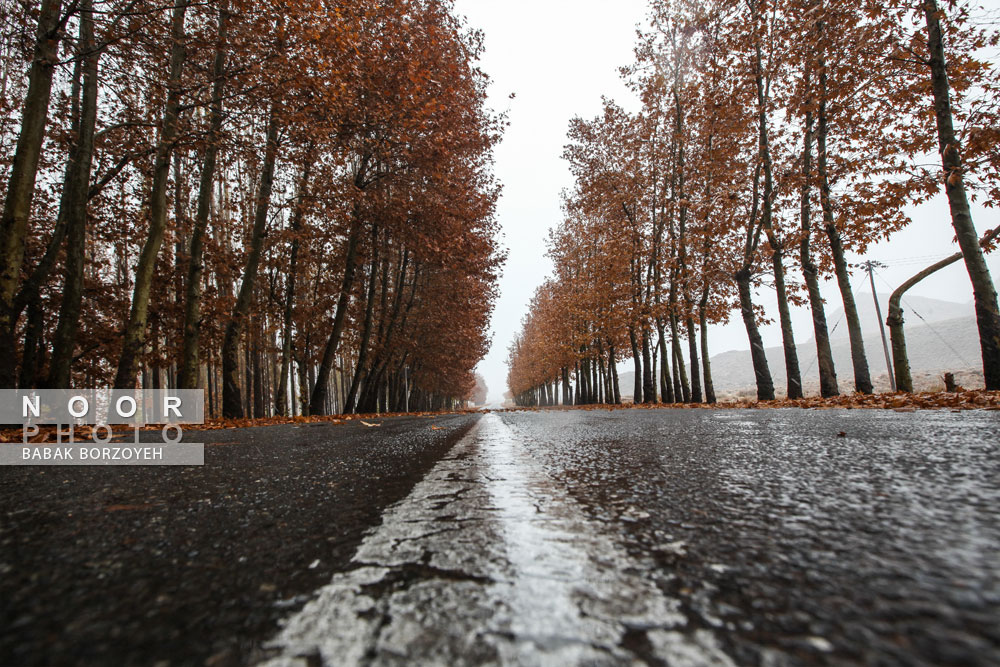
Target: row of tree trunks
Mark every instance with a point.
(196, 249)
(23, 173)
(391, 319)
(135, 330)
(232, 404)
(73, 206)
(318, 398)
(792, 374)
(366, 328)
(810, 272)
(282, 404)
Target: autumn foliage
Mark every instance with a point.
(289, 204)
(773, 137)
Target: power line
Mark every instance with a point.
(928, 324)
(899, 261)
(816, 356)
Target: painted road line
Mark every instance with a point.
(489, 560)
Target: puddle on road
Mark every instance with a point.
(489, 560)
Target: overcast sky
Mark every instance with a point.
(559, 58)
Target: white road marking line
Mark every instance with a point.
(488, 560)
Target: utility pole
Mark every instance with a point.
(870, 268)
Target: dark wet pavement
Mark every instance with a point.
(196, 565)
(681, 537)
(589, 537)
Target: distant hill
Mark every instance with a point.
(941, 346)
(949, 345)
(914, 308)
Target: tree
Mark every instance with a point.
(987, 313)
(23, 172)
(224, 257)
(135, 329)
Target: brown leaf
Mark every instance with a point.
(125, 508)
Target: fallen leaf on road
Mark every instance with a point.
(437, 428)
(367, 424)
(122, 508)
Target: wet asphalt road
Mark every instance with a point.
(687, 537)
(680, 537)
(196, 565)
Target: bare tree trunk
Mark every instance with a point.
(258, 371)
(304, 392)
(246, 375)
(74, 201)
(189, 363)
(281, 402)
(232, 403)
(648, 388)
(209, 388)
(580, 388)
(23, 172)
(666, 387)
(706, 363)
(792, 373)
(693, 350)
(592, 389)
(656, 349)
(679, 371)
(603, 386)
(32, 358)
(765, 386)
(329, 353)
(637, 366)
(367, 326)
(859, 360)
(616, 391)
(371, 395)
(154, 364)
(135, 330)
(987, 313)
(824, 354)
(577, 387)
